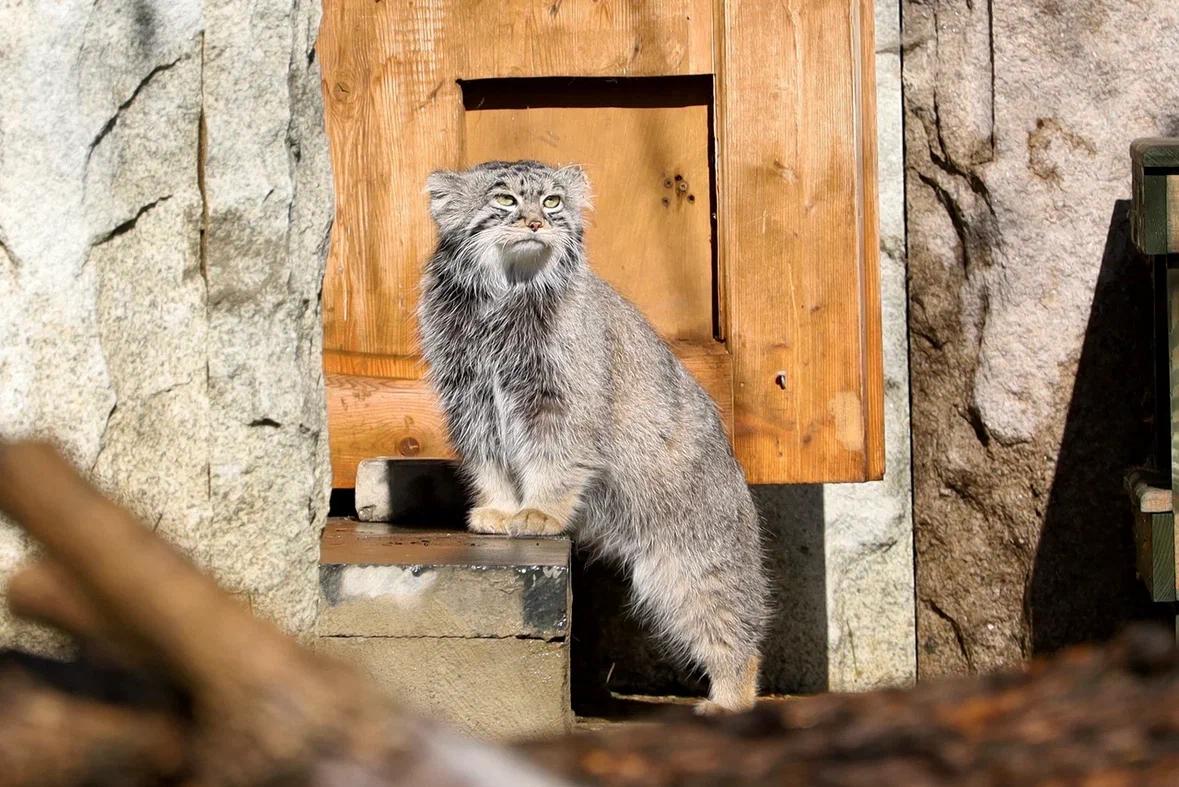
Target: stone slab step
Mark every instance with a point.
(469, 628)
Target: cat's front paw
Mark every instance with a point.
(533, 522)
(488, 520)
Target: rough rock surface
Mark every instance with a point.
(164, 204)
(1028, 315)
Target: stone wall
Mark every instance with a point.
(1029, 316)
(164, 210)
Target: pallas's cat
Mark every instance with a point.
(571, 415)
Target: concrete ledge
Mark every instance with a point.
(497, 689)
(443, 601)
(469, 628)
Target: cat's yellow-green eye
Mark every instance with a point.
(506, 200)
(552, 201)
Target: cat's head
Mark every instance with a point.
(518, 215)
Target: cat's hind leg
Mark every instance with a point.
(728, 693)
(714, 613)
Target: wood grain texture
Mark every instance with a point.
(1154, 544)
(1154, 531)
(393, 110)
(393, 113)
(797, 174)
(1148, 212)
(586, 38)
(650, 232)
(868, 232)
(1155, 153)
(1173, 386)
(795, 295)
(371, 416)
(1150, 492)
(1154, 164)
(346, 542)
(399, 367)
(1173, 213)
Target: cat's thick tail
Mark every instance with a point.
(713, 612)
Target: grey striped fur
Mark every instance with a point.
(571, 414)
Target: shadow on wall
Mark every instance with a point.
(1082, 586)
(613, 654)
(794, 657)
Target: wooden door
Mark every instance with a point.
(731, 149)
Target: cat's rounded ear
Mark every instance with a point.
(577, 185)
(446, 190)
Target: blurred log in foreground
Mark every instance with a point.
(1095, 716)
(188, 688)
(191, 688)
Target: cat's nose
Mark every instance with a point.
(534, 224)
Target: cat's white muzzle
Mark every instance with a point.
(523, 258)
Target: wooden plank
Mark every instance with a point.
(410, 367)
(1150, 491)
(1163, 534)
(1155, 153)
(1154, 500)
(347, 542)
(1173, 383)
(1154, 164)
(370, 416)
(650, 232)
(1173, 213)
(868, 236)
(1154, 544)
(1148, 212)
(393, 113)
(796, 171)
(586, 38)
(1160, 459)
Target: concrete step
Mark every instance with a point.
(468, 628)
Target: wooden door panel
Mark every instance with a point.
(370, 415)
(793, 291)
(799, 240)
(394, 112)
(393, 115)
(650, 231)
